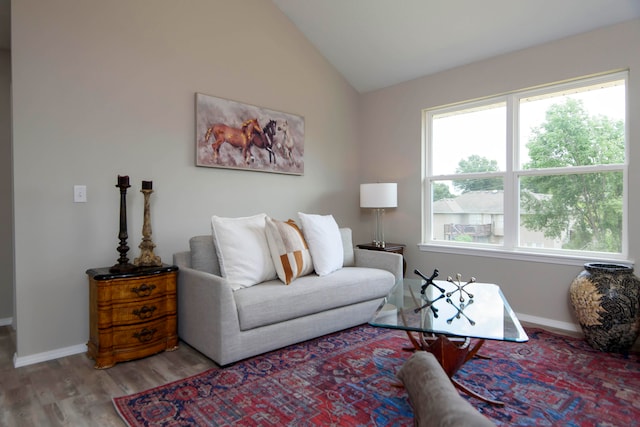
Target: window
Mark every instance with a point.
(540, 170)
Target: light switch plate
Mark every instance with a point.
(80, 193)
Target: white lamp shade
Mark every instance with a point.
(379, 195)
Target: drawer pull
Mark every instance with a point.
(145, 312)
(144, 290)
(145, 335)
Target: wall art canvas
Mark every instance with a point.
(234, 135)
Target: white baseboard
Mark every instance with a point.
(6, 322)
(19, 362)
(549, 323)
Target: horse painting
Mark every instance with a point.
(241, 138)
(235, 135)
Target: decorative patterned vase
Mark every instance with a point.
(606, 301)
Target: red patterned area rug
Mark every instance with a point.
(346, 379)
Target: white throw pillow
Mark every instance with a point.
(242, 249)
(289, 250)
(325, 242)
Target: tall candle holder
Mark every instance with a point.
(147, 258)
(123, 264)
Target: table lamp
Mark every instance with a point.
(379, 196)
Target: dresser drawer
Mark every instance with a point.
(133, 336)
(142, 311)
(141, 289)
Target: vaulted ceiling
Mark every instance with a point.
(378, 43)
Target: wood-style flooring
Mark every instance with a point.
(70, 392)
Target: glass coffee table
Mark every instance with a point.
(442, 317)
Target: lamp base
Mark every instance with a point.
(378, 237)
(378, 244)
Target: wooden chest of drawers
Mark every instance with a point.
(131, 315)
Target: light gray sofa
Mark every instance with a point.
(228, 325)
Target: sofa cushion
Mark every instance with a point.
(435, 401)
(242, 249)
(289, 250)
(270, 302)
(325, 242)
(203, 254)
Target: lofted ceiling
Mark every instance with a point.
(378, 43)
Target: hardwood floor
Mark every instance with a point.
(70, 392)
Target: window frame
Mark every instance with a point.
(511, 174)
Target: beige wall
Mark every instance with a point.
(107, 88)
(6, 233)
(391, 142)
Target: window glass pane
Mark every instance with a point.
(576, 212)
(475, 216)
(578, 127)
(476, 136)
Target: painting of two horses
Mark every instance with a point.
(234, 135)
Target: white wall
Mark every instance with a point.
(107, 88)
(6, 210)
(390, 120)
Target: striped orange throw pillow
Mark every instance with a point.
(289, 250)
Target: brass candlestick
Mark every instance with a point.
(147, 257)
(123, 264)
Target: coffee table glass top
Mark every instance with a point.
(474, 310)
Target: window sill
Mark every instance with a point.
(520, 255)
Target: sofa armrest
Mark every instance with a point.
(389, 261)
(206, 310)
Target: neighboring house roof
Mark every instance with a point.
(485, 202)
